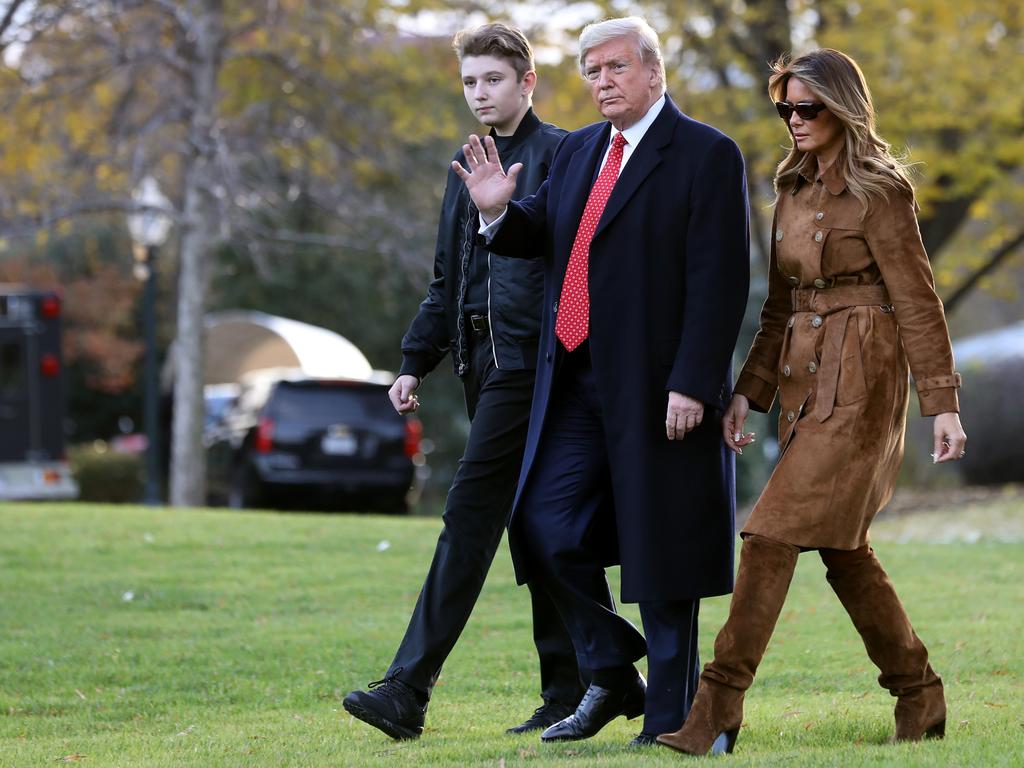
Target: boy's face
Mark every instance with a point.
(495, 95)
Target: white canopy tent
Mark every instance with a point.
(239, 343)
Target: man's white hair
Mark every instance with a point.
(648, 44)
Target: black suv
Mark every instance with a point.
(313, 444)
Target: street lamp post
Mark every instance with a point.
(149, 227)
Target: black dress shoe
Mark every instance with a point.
(599, 707)
(644, 740)
(390, 706)
(548, 713)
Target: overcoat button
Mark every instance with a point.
(548, 357)
(819, 215)
(785, 370)
(790, 417)
(554, 307)
(793, 280)
(778, 236)
(818, 236)
(812, 367)
(816, 321)
(819, 283)
(792, 319)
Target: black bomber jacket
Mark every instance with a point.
(515, 287)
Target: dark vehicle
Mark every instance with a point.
(32, 460)
(313, 444)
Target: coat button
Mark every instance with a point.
(793, 280)
(548, 357)
(819, 283)
(819, 216)
(790, 417)
(812, 367)
(778, 236)
(792, 319)
(816, 321)
(554, 307)
(819, 236)
(786, 370)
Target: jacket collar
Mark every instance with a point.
(527, 125)
(832, 178)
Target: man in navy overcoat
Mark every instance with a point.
(642, 226)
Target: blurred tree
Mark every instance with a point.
(242, 110)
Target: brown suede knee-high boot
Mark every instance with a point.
(766, 570)
(867, 594)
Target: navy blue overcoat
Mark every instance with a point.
(669, 273)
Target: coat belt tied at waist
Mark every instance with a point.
(835, 305)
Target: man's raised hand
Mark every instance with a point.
(488, 184)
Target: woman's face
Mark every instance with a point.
(822, 136)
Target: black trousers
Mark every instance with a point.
(567, 518)
(475, 516)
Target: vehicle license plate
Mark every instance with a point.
(339, 441)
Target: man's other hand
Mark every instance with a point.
(684, 414)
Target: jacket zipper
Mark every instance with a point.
(490, 315)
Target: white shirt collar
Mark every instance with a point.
(636, 131)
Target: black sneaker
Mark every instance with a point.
(548, 713)
(390, 706)
(644, 740)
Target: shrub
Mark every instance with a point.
(104, 475)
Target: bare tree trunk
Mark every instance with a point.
(188, 467)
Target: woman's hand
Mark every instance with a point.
(732, 424)
(950, 438)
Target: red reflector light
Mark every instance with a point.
(264, 442)
(51, 476)
(49, 307)
(49, 364)
(413, 435)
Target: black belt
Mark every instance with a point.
(478, 323)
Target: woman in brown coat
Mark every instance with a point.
(850, 303)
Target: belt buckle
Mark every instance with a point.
(478, 323)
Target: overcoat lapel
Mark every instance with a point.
(645, 158)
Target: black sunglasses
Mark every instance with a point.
(805, 110)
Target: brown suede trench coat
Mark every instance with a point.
(850, 301)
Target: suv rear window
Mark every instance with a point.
(326, 403)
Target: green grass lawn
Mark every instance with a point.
(140, 637)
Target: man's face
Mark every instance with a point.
(623, 87)
(494, 94)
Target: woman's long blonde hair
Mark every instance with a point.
(866, 161)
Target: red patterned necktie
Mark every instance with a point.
(572, 325)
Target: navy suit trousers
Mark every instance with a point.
(569, 529)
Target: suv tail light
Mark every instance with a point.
(264, 442)
(413, 434)
(49, 307)
(49, 365)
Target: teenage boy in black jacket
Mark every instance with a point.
(485, 311)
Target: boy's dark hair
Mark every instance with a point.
(499, 40)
